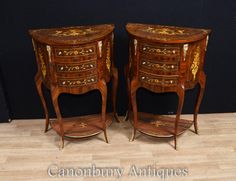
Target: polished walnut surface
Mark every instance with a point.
(165, 59)
(75, 60)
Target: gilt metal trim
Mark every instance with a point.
(108, 57)
(42, 62)
(49, 53)
(207, 38)
(196, 62)
(135, 46)
(100, 48)
(185, 47)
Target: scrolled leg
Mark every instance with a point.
(114, 92)
(55, 95)
(38, 82)
(134, 87)
(202, 83)
(103, 90)
(180, 93)
(128, 92)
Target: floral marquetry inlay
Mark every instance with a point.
(163, 66)
(158, 123)
(196, 62)
(73, 32)
(76, 83)
(75, 51)
(82, 125)
(76, 67)
(161, 50)
(157, 81)
(165, 31)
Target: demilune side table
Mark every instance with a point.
(164, 59)
(76, 60)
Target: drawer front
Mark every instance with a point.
(164, 50)
(75, 52)
(160, 53)
(76, 67)
(71, 83)
(161, 68)
(158, 80)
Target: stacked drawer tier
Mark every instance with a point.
(76, 66)
(159, 64)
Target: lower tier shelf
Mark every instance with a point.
(82, 126)
(160, 126)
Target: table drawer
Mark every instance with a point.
(75, 52)
(158, 80)
(83, 81)
(164, 50)
(76, 67)
(159, 67)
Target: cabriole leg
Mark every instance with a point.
(103, 91)
(128, 92)
(133, 91)
(39, 83)
(180, 93)
(202, 83)
(55, 95)
(114, 92)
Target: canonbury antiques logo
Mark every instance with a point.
(117, 172)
